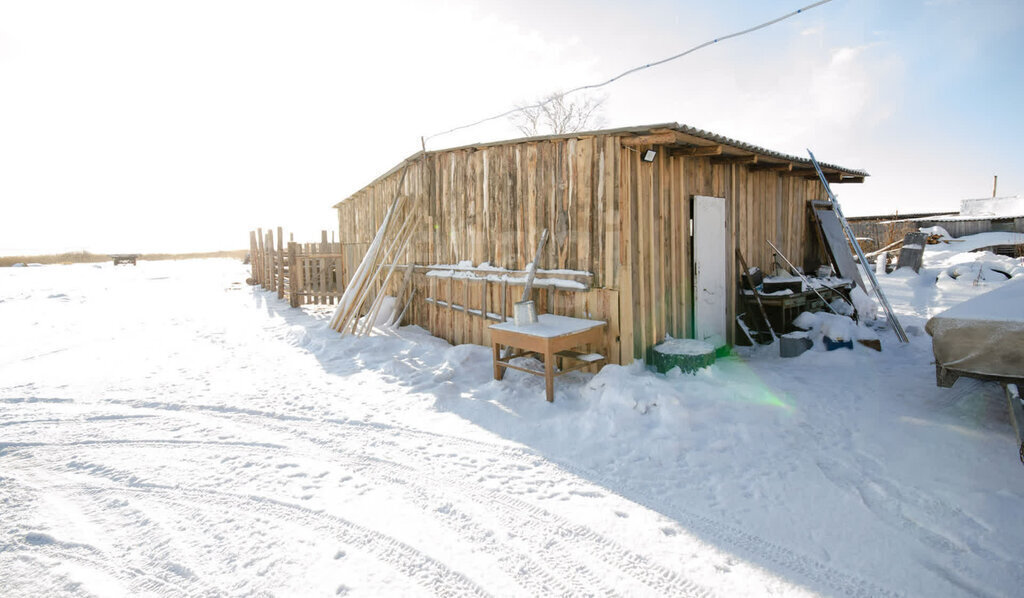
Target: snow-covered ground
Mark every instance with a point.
(167, 430)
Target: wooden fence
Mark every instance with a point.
(305, 273)
(878, 232)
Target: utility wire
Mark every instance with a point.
(632, 70)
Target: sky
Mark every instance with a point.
(179, 126)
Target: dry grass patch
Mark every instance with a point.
(84, 257)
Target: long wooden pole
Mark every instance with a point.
(375, 306)
(528, 289)
(362, 271)
(746, 273)
(367, 283)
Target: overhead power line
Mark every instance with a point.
(632, 70)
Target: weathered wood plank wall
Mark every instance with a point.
(609, 213)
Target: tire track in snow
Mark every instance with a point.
(417, 565)
(557, 536)
(428, 572)
(42, 548)
(721, 534)
(724, 535)
(139, 441)
(716, 532)
(567, 579)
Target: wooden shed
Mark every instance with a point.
(645, 241)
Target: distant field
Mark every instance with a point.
(79, 257)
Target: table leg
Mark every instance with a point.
(549, 375)
(499, 372)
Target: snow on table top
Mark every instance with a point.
(550, 326)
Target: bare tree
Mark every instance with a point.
(557, 114)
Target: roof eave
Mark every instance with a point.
(853, 174)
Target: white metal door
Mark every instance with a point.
(709, 269)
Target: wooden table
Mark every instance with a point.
(550, 337)
(782, 309)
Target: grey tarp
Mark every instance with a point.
(983, 336)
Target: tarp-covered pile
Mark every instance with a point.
(983, 336)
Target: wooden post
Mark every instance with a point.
(271, 283)
(300, 274)
(258, 258)
(504, 299)
(995, 183)
(324, 248)
(280, 263)
(253, 254)
(339, 269)
(307, 272)
(342, 275)
(293, 273)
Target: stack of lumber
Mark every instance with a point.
(361, 303)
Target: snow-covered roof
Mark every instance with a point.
(986, 208)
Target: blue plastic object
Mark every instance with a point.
(832, 345)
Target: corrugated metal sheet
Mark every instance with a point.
(709, 136)
(971, 218)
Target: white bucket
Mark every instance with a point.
(525, 313)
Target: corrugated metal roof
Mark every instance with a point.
(956, 218)
(639, 130)
(890, 218)
(754, 149)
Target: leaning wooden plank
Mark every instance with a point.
(362, 271)
(745, 277)
(398, 320)
(371, 316)
(406, 283)
(381, 292)
(388, 256)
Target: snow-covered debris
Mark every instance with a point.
(865, 307)
(836, 327)
(936, 230)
